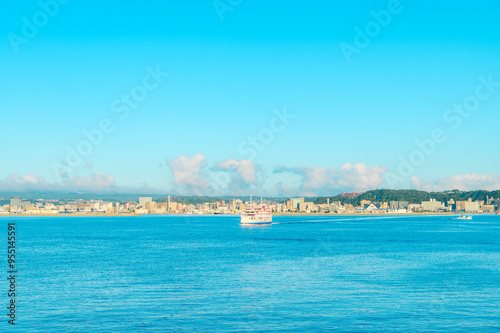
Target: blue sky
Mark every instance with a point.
(353, 120)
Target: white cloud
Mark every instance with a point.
(328, 181)
(187, 172)
(242, 175)
(94, 183)
(244, 168)
(422, 185)
(467, 182)
(192, 176)
(283, 190)
(26, 183)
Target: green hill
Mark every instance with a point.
(412, 196)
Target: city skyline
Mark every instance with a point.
(393, 203)
(409, 101)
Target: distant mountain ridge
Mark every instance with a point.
(413, 196)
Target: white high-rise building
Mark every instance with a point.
(144, 200)
(15, 202)
(432, 205)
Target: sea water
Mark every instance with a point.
(301, 274)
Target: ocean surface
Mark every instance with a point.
(301, 274)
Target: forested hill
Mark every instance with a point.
(412, 196)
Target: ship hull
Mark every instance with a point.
(251, 220)
(256, 222)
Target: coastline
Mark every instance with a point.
(274, 214)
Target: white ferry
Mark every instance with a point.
(464, 217)
(256, 215)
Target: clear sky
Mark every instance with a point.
(335, 94)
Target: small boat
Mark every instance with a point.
(464, 217)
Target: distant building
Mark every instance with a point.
(364, 203)
(396, 205)
(336, 204)
(451, 205)
(144, 200)
(150, 206)
(372, 208)
(468, 206)
(488, 208)
(294, 203)
(307, 207)
(432, 205)
(15, 202)
(414, 207)
(162, 208)
(26, 205)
